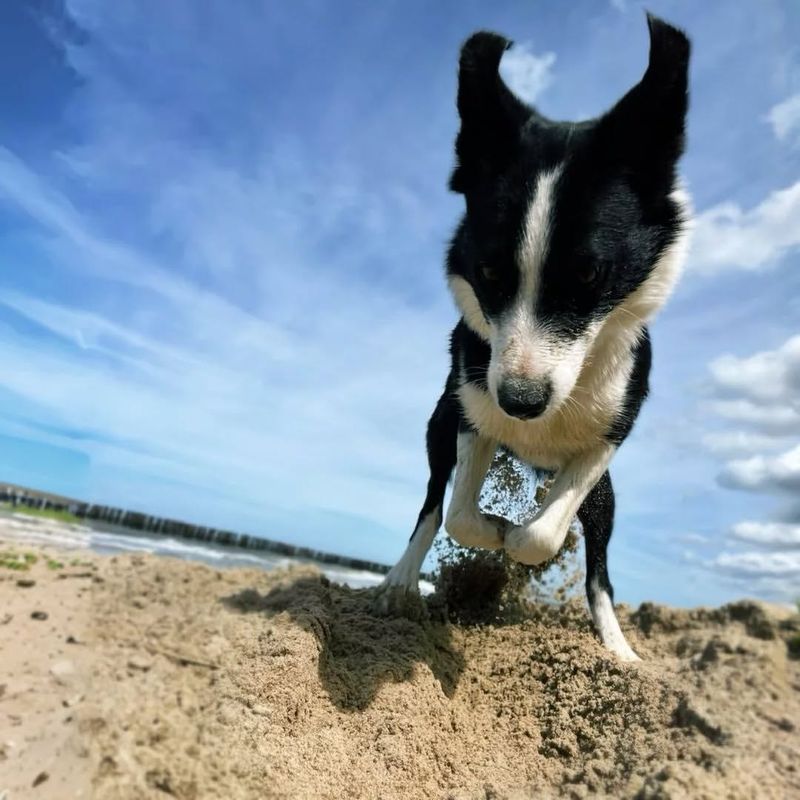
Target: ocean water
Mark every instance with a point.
(20, 529)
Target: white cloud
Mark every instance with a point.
(764, 473)
(526, 73)
(772, 420)
(785, 118)
(760, 391)
(780, 534)
(693, 538)
(759, 564)
(729, 237)
(772, 376)
(734, 443)
(764, 392)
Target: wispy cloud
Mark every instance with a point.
(244, 396)
(737, 442)
(760, 564)
(785, 119)
(775, 421)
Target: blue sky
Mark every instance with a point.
(221, 290)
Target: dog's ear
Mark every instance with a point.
(491, 115)
(647, 127)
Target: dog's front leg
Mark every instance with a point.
(541, 537)
(465, 522)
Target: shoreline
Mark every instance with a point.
(21, 530)
(136, 521)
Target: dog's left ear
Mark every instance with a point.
(491, 115)
(647, 127)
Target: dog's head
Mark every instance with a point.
(567, 225)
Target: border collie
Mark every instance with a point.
(573, 237)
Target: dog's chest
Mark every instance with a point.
(578, 426)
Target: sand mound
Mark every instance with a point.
(245, 684)
(290, 687)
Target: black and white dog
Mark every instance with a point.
(574, 235)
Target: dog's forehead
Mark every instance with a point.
(534, 236)
(562, 200)
(561, 148)
(578, 197)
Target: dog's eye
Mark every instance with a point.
(489, 273)
(588, 273)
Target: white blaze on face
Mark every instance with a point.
(522, 346)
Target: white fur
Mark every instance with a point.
(465, 522)
(536, 236)
(541, 537)
(468, 305)
(405, 573)
(605, 620)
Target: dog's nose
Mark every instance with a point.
(523, 398)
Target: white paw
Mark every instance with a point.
(401, 576)
(478, 530)
(399, 595)
(533, 543)
(624, 652)
(607, 624)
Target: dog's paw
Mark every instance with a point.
(396, 600)
(626, 654)
(622, 650)
(398, 595)
(533, 543)
(487, 531)
(614, 640)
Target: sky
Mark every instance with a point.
(222, 229)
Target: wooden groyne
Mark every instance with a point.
(17, 496)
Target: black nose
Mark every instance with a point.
(522, 398)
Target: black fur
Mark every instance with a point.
(597, 518)
(636, 392)
(441, 444)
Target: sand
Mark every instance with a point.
(44, 668)
(189, 682)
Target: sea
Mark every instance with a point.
(20, 529)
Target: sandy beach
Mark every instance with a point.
(138, 676)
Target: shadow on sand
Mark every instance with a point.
(359, 650)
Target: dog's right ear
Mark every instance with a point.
(491, 115)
